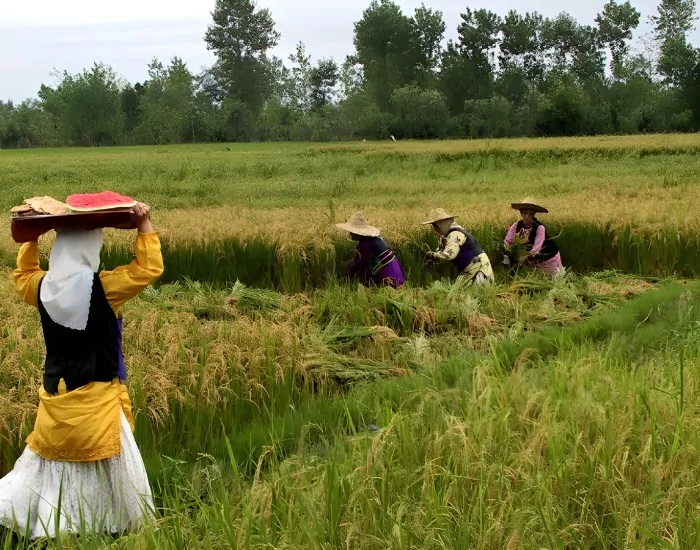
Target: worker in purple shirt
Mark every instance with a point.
(375, 263)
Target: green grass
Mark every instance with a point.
(282, 406)
(263, 214)
(589, 446)
(257, 262)
(300, 175)
(584, 247)
(196, 352)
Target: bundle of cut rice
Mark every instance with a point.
(346, 369)
(517, 251)
(255, 298)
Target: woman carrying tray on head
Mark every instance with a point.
(460, 247)
(375, 262)
(543, 251)
(82, 450)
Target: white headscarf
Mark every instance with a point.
(67, 287)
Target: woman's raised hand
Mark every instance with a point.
(143, 218)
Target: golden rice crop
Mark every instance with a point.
(186, 342)
(291, 193)
(466, 453)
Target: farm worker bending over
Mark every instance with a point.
(82, 449)
(543, 253)
(460, 247)
(374, 262)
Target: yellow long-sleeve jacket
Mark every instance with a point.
(84, 424)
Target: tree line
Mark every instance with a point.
(517, 74)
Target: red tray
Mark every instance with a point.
(30, 228)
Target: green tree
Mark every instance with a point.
(677, 57)
(131, 98)
(323, 83)
(308, 87)
(167, 109)
(520, 56)
(419, 113)
(677, 60)
(468, 65)
(565, 110)
(673, 18)
(352, 78)
(589, 57)
(387, 47)
(7, 137)
(241, 36)
(298, 88)
(521, 45)
(575, 49)
(26, 125)
(86, 106)
(479, 34)
(692, 95)
(361, 117)
(559, 41)
(615, 26)
(430, 30)
(492, 117)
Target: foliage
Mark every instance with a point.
(241, 37)
(251, 425)
(86, 106)
(548, 76)
(278, 407)
(419, 113)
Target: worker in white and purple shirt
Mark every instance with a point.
(460, 247)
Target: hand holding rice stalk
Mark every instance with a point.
(428, 254)
(517, 253)
(430, 259)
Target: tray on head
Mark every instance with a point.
(30, 228)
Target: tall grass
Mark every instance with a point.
(290, 195)
(258, 262)
(462, 174)
(585, 447)
(584, 247)
(195, 353)
(281, 406)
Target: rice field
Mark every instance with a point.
(279, 405)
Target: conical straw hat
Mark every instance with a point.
(358, 225)
(528, 203)
(436, 215)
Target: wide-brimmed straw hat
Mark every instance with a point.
(358, 225)
(438, 215)
(528, 203)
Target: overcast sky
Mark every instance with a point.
(37, 36)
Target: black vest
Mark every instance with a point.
(549, 247)
(81, 356)
(470, 249)
(379, 245)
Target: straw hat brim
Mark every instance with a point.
(434, 220)
(529, 206)
(367, 231)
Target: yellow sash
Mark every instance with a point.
(82, 425)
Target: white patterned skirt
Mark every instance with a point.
(111, 495)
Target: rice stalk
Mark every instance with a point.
(254, 298)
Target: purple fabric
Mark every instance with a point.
(122, 367)
(393, 272)
(360, 267)
(465, 257)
